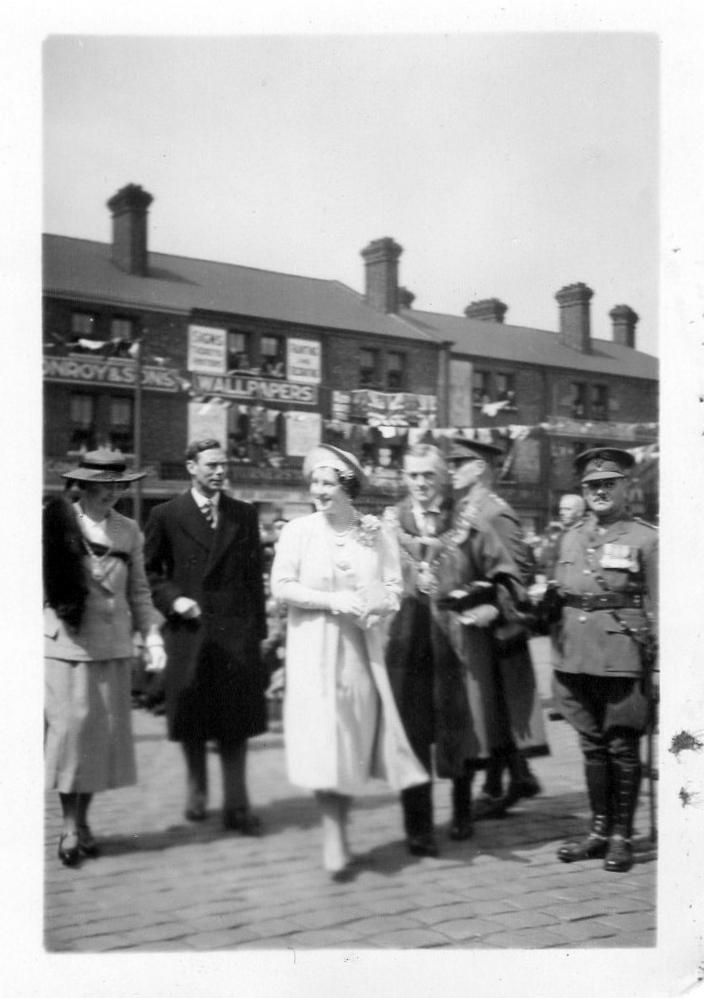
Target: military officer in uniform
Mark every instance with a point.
(607, 577)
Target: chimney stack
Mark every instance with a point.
(381, 265)
(488, 310)
(129, 229)
(624, 325)
(575, 324)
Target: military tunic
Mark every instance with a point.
(621, 558)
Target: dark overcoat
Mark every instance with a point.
(497, 675)
(410, 660)
(215, 678)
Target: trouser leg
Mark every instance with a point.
(196, 778)
(417, 802)
(233, 763)
(461, 826)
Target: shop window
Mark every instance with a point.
(481, 387)
(395, 371)
(506, 390)
(599, 408)
(579, 400)
(82, 419)
(368, 368)
(121, 432)
(273, 357)
(238, 358)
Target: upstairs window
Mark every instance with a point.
(506, 389)
(238, 358)
(579, 400)
(599, 407)
(481, 388)
(83, 327)
(122, 335)
(121, 433)
(273, 356)
(368, 368)
(82, 419)
(395, 364)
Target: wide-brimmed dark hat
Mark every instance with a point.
(325, 455)
(103, 465)
(603, 462)
(462, 449)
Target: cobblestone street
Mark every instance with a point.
(164, 884)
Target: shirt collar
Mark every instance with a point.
(419, 510)
(201, 500)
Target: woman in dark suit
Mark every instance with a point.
(96, 594)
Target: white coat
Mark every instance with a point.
(302, 573)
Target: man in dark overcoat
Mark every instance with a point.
(484, 649)
(607, 574)
(418, 520)
(203, 560)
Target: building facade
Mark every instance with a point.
(145, 351)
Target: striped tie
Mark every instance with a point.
(209, 513)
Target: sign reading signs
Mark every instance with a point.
(237, 386)
(114, 372)
(207, 349)
(303, 361)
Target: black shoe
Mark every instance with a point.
(593, 846)
(423, 845)
(461, 828)
(527, 786)
(86, 841)
(488, 807)
(619, 857)
(70, 855)
(196, 813)
(240, 819)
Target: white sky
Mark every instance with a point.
(506, 165)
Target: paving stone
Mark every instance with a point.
(525, 939)
(587, 928)
(219, 940)
(100, 944)
(523, 919)
(446, 912)
(465, 928)
(328, 918)
(409, 939)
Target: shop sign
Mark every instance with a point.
(113, 372)
(244, 387)
(207, 349)
(340, 405)
(303, 361)
(392, 408)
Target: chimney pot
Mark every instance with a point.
(624, 325)
(575, 321)
(487, 310)
(129, 228)
(405, 298)
(381, 265)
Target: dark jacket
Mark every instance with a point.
(215, 678)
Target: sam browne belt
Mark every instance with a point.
(603, 601)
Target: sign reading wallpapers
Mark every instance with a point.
(112, 372)
(207, 349)
(241, 386)
(303, 361)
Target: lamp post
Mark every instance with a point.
(137, 501)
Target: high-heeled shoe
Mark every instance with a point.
(70, 855)
(86, 841)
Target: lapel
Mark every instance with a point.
(192, 521)
(229, 526)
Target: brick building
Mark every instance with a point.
(270, 363)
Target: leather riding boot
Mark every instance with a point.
(523, 783)
(626, 780)
(493, 781)
(595, 844)
(461, 827)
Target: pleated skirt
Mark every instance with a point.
(88, 725)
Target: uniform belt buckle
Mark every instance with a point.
(603, 600)
(585, 602)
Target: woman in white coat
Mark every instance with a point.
(340, 575)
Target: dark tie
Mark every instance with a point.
(208, 511)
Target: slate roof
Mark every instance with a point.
(84, 269)
(494, 341)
